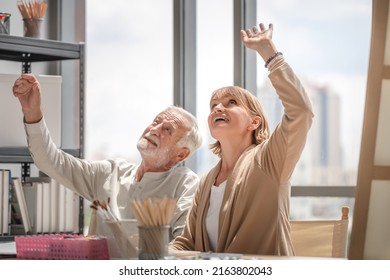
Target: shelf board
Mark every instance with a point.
(16, 48)
(22, 154)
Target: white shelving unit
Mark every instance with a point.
(26, 51)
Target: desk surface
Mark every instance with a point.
(8, 251)
(227, 256)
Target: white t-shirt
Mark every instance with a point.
(212, 218)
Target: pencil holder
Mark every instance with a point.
(123, 234)
(5, 23)
(32, 27)
(153, 242)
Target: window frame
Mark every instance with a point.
(245, 74)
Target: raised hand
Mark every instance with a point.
(260, 40)
(27, 89)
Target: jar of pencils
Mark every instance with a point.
(153, 242)
(32, 13)
(32, 27)
(153, 217)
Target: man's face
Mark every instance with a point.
(158, 142)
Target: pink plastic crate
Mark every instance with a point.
(61, 247)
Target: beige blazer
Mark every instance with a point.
(254, 216)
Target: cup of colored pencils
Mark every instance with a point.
(5, 23)
(32, 14)
(153, 217)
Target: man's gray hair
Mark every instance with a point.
(192, 139)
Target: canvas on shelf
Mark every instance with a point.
(11, 117)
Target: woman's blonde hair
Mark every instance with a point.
(252, 104)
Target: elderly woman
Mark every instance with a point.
(242, 204)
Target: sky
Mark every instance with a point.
(129, 60)
(129, 66)
(321, 34)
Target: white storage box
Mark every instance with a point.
(12, 132)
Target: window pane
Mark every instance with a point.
(214, 65)
(320, 207)
(329, 51)
(130, 73)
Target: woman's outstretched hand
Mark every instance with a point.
(259, 39)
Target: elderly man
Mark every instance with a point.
(168, 140)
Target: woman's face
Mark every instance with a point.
(228, 118)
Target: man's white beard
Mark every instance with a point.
(159, 157)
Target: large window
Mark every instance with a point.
(327, 44)
(329, 52)
(130, 79)
(214, 65)
(129, 73)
